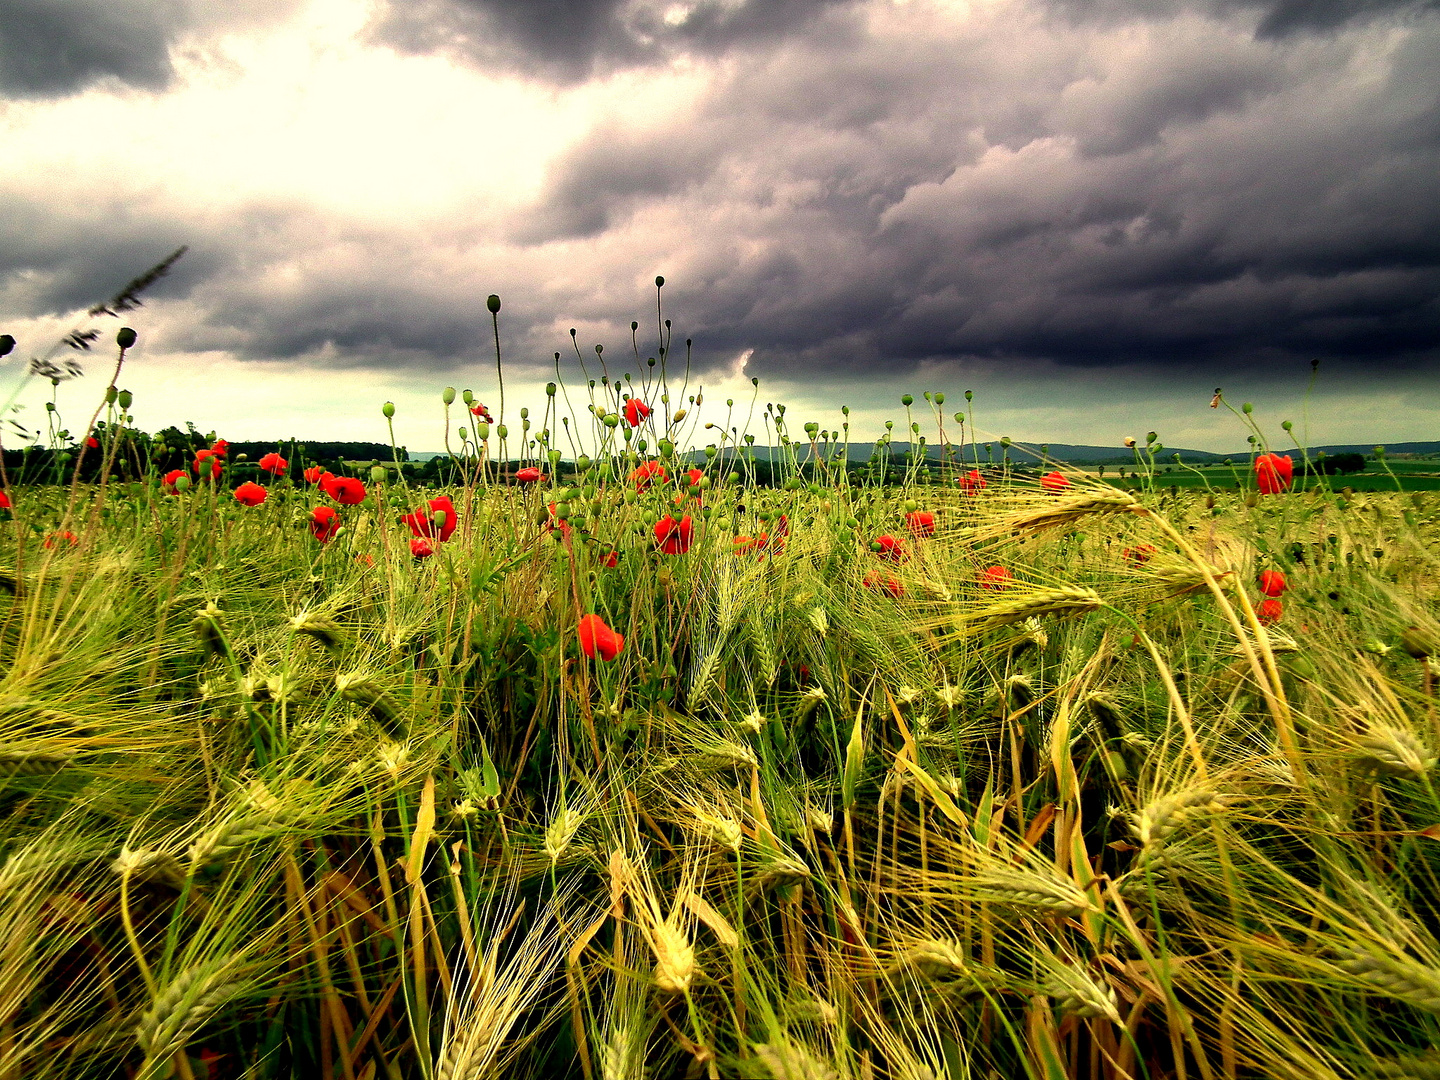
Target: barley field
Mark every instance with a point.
(625, 764)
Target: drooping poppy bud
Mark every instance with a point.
(250, 494)
(1272, 582)
(597, 640)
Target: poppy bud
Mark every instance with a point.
(554, 456)
(960, 418)
(448, 396)
(482, 431)
(492, 304)
(630, 498)
(549, 389)
(388, 409)
(501, 430)
(7, 344)
(582, 464)
(939, 398)
(110, 393)
(969, 395)
(733, 478)
(377, 474)
(181, 483)
(125, 338)
(1247, 408)
(468, 398)
(125, 399)
(907, 400)
(1287, 425)
(49, 406)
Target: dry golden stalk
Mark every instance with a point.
(1393, 751)
(1068, 511)
(1033, 603)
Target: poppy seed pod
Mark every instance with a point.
(125, 399)
(468, 397)
(907, 400)
(125, 338)
(377, 474)
(482, 431)
(448, 395)
(659, 282)
(388, 409)
(501, 430)
(492, 304)
(110, 395)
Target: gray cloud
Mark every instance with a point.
(1171, 193)
(569, 40)
(55, 47)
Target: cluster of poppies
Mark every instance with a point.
(1272, 585)
(430, 526)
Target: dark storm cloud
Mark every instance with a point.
(1270, 18)
(572, 39)
(55, 47)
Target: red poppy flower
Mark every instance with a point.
(890, 548)
(274, 464)
(647, 473)
(482, 412)
(921, 523)
(1138, 555)
(610, 558)
(554, 522)
(782, 526)
(435, 522)
(4, 501)
(598, 641)
(1273, 473)
(167, 482)
(636, 411)
(66, 537)
(220, 448)
(529, 475)
(207, 459)
(324, 523)
(673, 536)
(742, 544)
(972, 482)
(345, 490)
(885, 583)
(314, 473)
(421, 548)
(1270, 611)
(995, 577)
(1054, 483)
(92, 443)
(250, 494)
(1272, 582)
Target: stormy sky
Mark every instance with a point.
(1090, 212)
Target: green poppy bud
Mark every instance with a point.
(562, 510)
(492, 304)
(448, 396)
(554, 456)
(549, 389)
(110, 395)
(7, 344)
(49, 406)
(1247, 408)
(125, 338)
(501, 430)
(969, 395)
(732, 478)
(462, 431)
(482, 430)
(125, 399)
(939, 398)
(659, 282)
(182, 483)
(388, 409)
(703, 483)
(1287, 425)
(582, 464)
(907, 400)
(1150, 437)
(377, 474)
(610, 420)
(666, 448)
(630, 498)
